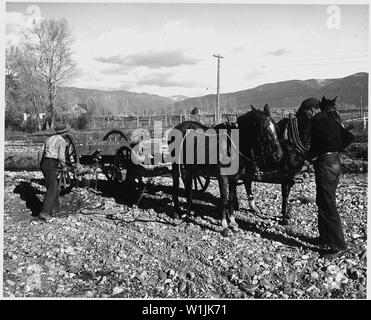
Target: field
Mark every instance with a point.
(106, 246)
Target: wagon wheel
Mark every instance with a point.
(67, 179)
(199, 182)
(114, 136)
(122, 161)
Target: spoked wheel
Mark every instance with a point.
(200, 183)
(121, 162)
(67, 179)
(110, 169)
(115, 136)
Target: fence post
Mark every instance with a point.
(149, 121)
(137, 121)
(364, 121)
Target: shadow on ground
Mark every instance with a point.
(29, 194)
(158, 197)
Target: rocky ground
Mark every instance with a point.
(104, 247)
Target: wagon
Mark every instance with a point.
(113, 156)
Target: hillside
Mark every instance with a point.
(118, 102)
(286, 94)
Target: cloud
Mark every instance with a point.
(175, 57)
(253, 74)
(238, 49)
(280, 52)
(152, 60)
(16, 24)
(165, 81)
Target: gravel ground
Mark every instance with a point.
(106, 248)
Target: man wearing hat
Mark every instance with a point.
(54, 153)
(328, 139)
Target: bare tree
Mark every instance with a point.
(20, 68)
(47, 58)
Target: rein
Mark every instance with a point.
(213, 135)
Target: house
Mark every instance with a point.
(74, 110)
(27, 115)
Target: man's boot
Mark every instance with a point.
(43, 216)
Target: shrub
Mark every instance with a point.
(13, 120)
(82, 121)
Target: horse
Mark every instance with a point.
(329, 106)
(256, 130)
(294, 136)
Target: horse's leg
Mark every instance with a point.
(232, 199)
(188, 178)
(236, 204)
(250, 197)
(223, 188)
(285, 190)
(175, 175)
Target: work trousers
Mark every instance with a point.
(51, 200)
(327, 174)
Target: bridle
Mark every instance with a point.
(263, 146)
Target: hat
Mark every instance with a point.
(195, 111)
(61, 128)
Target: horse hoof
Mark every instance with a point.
(226, 232)
(176, 216)
(234, 227)
(235, 230)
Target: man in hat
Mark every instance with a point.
(328, 139)
(54, 153)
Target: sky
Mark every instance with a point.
(167, 49)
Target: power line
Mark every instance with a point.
(309, 60)
(365, 44)
(315, 64)
(330, 58)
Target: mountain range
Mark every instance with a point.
(282, 95)
(286, 95)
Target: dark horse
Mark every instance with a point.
(294, 136)
(256, 131)
(329, 106)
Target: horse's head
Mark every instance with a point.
(258, 130)
(329, 106)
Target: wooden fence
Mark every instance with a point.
(132, 122)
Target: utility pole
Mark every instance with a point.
(217, 113)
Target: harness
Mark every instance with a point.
(292, 138)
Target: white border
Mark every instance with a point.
(2, 99)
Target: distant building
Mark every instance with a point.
(75, 110)
(27, 115)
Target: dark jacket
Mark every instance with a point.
(328, 135)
